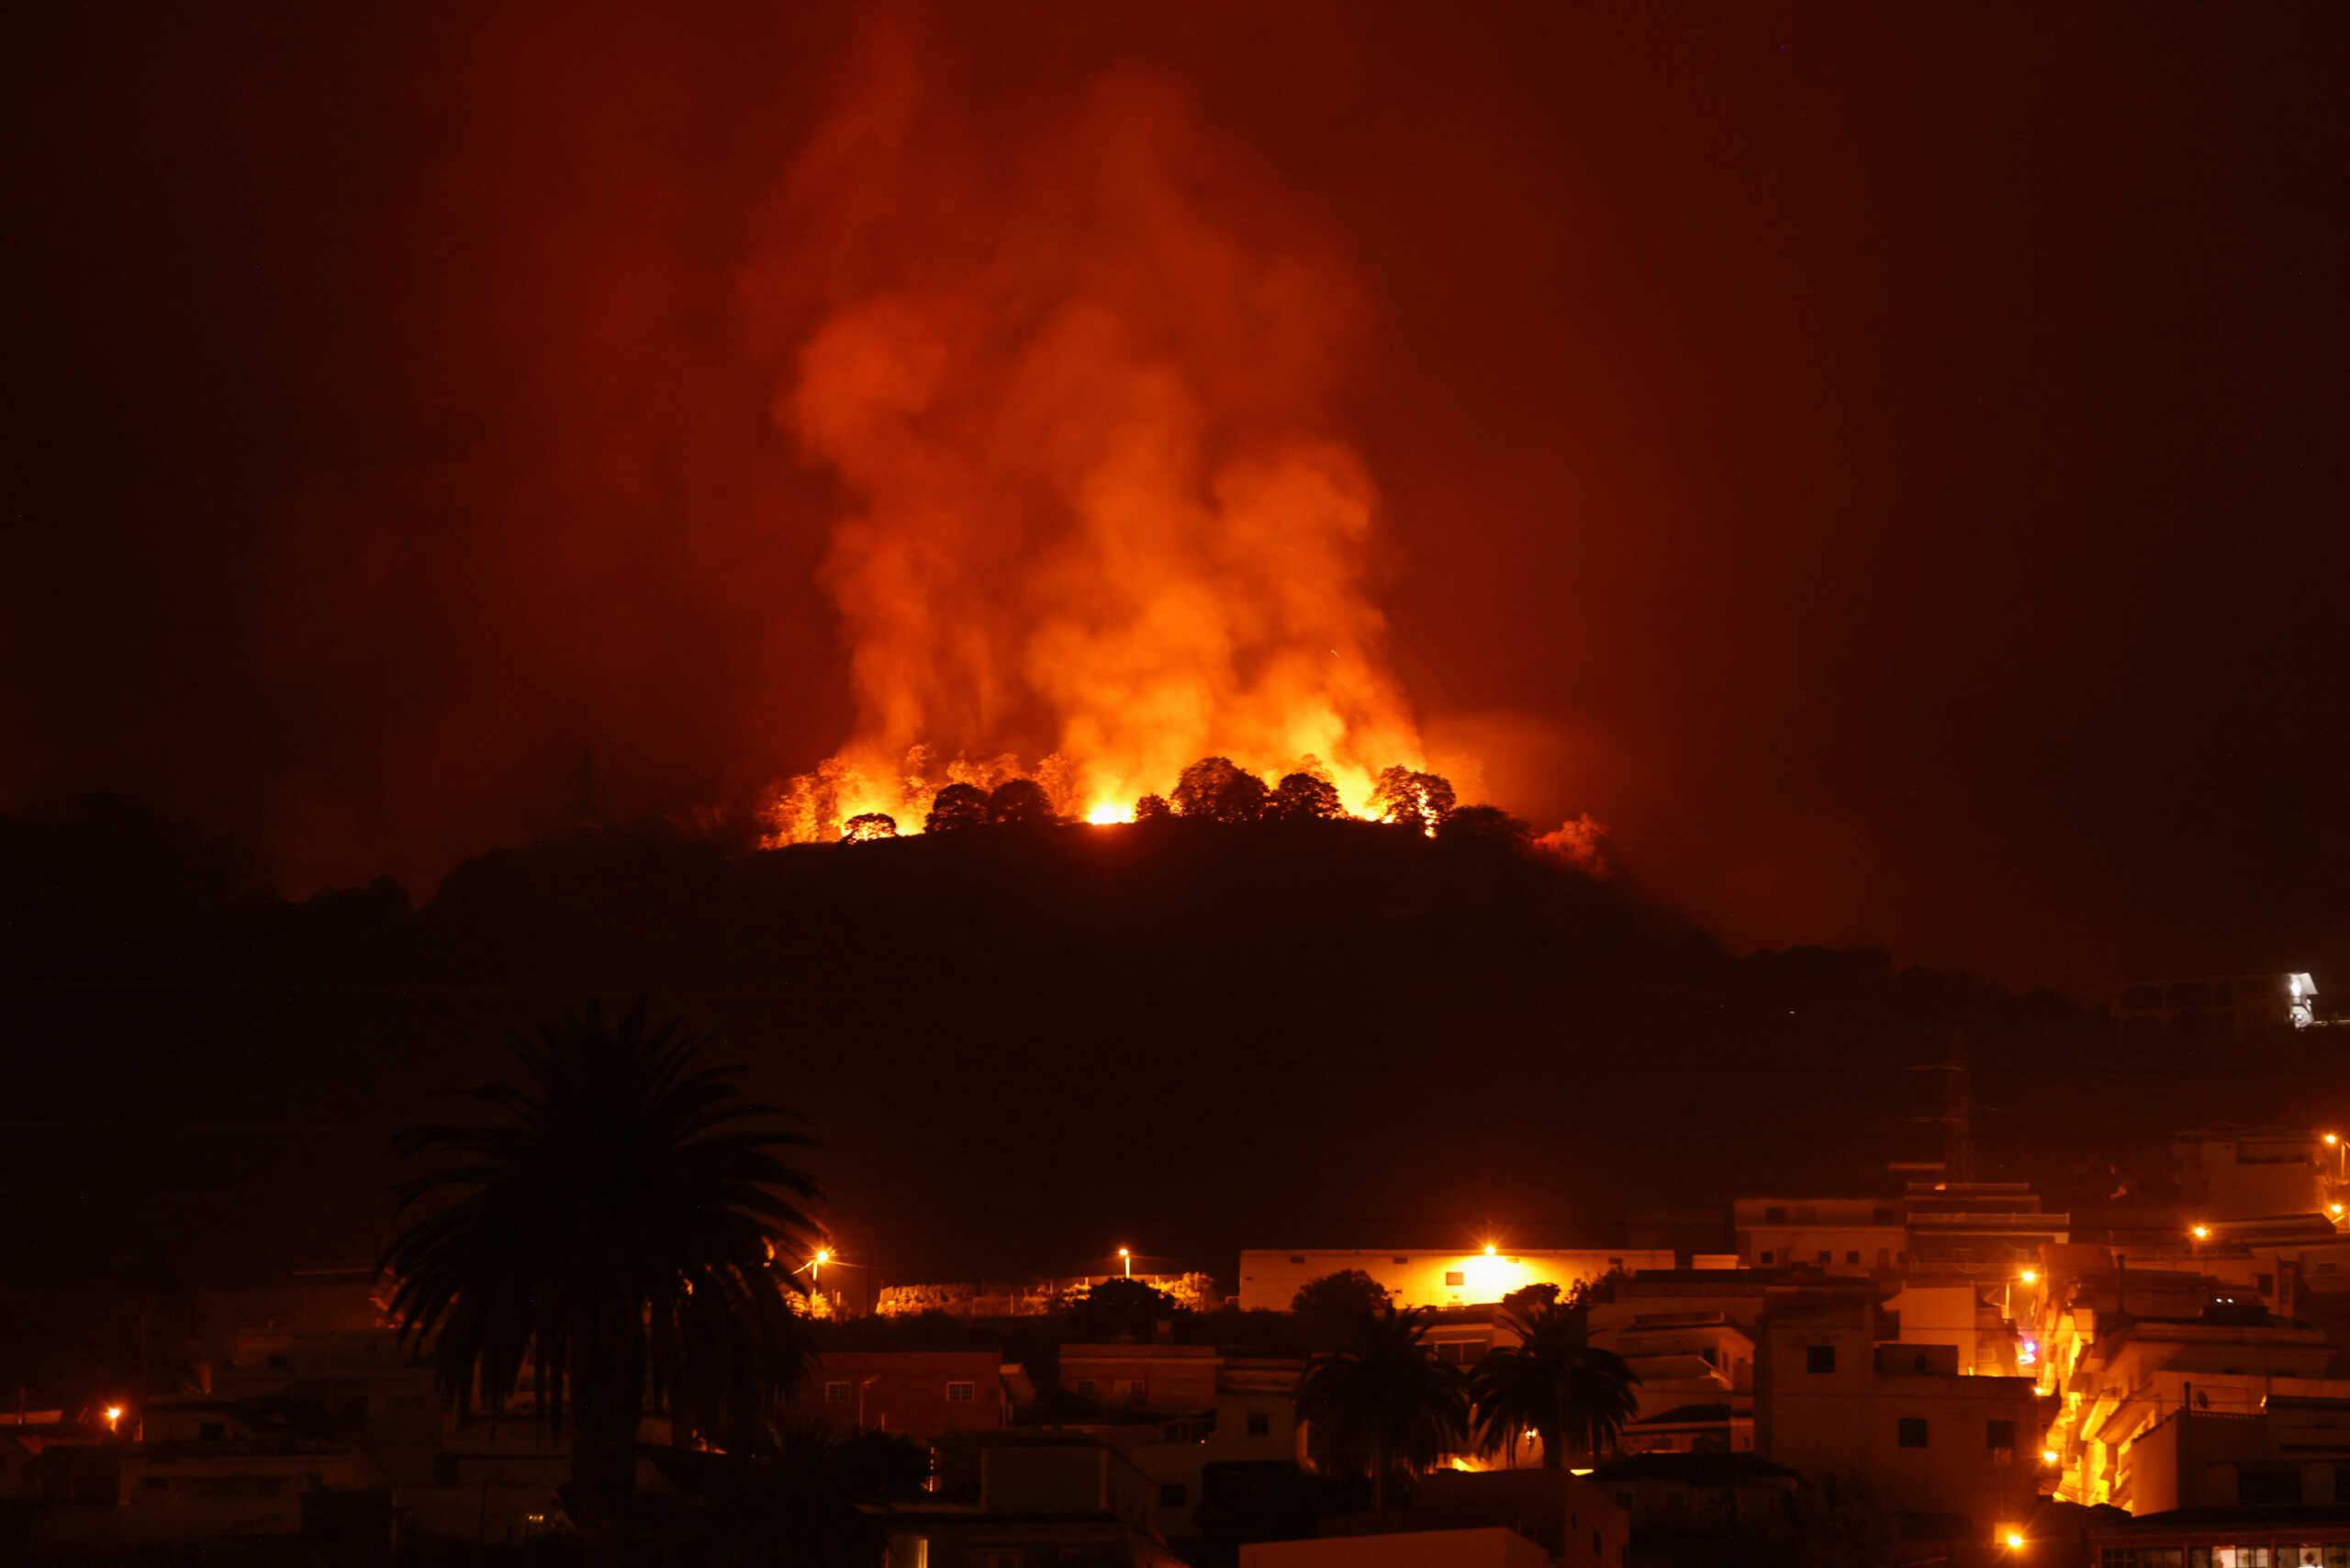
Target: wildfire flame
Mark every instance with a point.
(1079, 379)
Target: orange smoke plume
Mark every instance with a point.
(1076, 377)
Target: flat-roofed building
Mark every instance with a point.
(1836, 1236)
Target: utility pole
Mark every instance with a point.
(1957, 1117)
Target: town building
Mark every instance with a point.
(2231, 1171)
(921, 1395)
(2311, 1537)
(1006, 1500)
(1269, 1280)
(2294, 1450)
(2216, 1007)
(1252, 1420)
(1832, 1395)
(2131, 1372)
(1835, 1235)
(1567, 1518)
(1701, 1509)
(1488, 1548)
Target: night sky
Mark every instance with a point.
(1890, 467)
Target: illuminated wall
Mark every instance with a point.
(1271, 1280)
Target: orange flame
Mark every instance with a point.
(1080, 382)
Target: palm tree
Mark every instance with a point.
(616, 1232)
(1382, 1400)
(1553, 1384)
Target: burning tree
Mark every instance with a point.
(1301, 796)
(1217, 789)
(1414, 800)
(867, 826)
(1021, 802)
(954, 807)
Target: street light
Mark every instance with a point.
(816, 1267)
(2015, 1540)
(2029, 1276)
(114, 1414)
(1127, 1259)
(2201, 1232)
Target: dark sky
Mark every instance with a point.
(1889, 467)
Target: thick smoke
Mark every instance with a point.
(1077, 377)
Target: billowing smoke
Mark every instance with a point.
(1076, 371)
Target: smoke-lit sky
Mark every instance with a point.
(1887, 465)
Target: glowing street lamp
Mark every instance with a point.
(1126, 1259)
(2029, 1276)
(816, 1267)
(2015, 1540)
(1491, 1249)
(2201, 1232)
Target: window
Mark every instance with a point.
(1133, 1390)
(1826, 1257)
(835, 1393)
(1615, 1265)
(1403, 1258)
(961, 1393)
(1769, 1258)
(1819, 1358)
(1998, 1434)
(1455, 1277)
(1913, 1431)
(1085, 1388)
(1171, 1494)
(277, 1363)
(1297, 1257)
(1853, 1255)
(1260, 1422)
(2267, 1283)
(1775, 1215)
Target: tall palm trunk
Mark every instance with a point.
(607, 1401)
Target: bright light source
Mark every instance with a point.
(2049, 1456)
(2335, 1209)
(1124, 1253)
(2029, 1276)
(114, 1414)
(1110, 812)
(824, 1254)
(1490, 1249)
(2332, 1139)
(2015, 1541)
(1585, 1471)
(2201, 1232)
